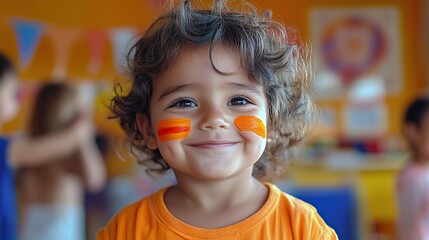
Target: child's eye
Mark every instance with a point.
(240, 100)
(183, 103)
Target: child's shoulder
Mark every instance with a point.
(132, 217)
(300, 212)
(301, 216)
(286, 200)
(140, 207)
(413, 174)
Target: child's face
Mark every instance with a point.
(420, 137)
(9, 102)
(227, 115)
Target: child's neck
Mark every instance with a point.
(215, 204)
(421, 160)
(218, 194)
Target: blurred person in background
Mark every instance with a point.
(413, 180)
(53, 193)
(22, 151)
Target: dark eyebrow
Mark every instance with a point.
(244, 87)
(174, 89)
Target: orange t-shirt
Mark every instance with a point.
(281, 217)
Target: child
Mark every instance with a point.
(18, 152)
(212, 90)
(413, 180)
(52, 194)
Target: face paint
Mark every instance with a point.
(173, 129)
(250, 123)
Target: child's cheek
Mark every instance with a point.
(173, 129)
(251, 126)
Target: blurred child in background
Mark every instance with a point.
(53, 193)
(21, 151)
(9, 105)
(413, 180)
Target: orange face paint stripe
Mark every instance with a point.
(251, 123)
(173, 129)
(176, 136)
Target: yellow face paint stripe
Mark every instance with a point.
(173, 129)
(251, 123)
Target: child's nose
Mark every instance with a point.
(214, 119)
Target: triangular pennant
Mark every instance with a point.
(62, 40)
(122, 39)
(97, 40)
(28, 34)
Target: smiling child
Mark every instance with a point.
(218, 96)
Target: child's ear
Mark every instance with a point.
(271, 133)
(145, 129)
(270, 136)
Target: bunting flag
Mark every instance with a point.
(28, 34)
(122, 39)
(62, 40)
(97, 40)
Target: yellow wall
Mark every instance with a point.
(92, 14)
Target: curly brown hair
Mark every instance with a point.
(272, 60)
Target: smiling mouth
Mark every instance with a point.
(213, 144)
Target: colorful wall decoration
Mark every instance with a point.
(354, 44)
(28, 34)
(94, 50)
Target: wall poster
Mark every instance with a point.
(353, 44)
